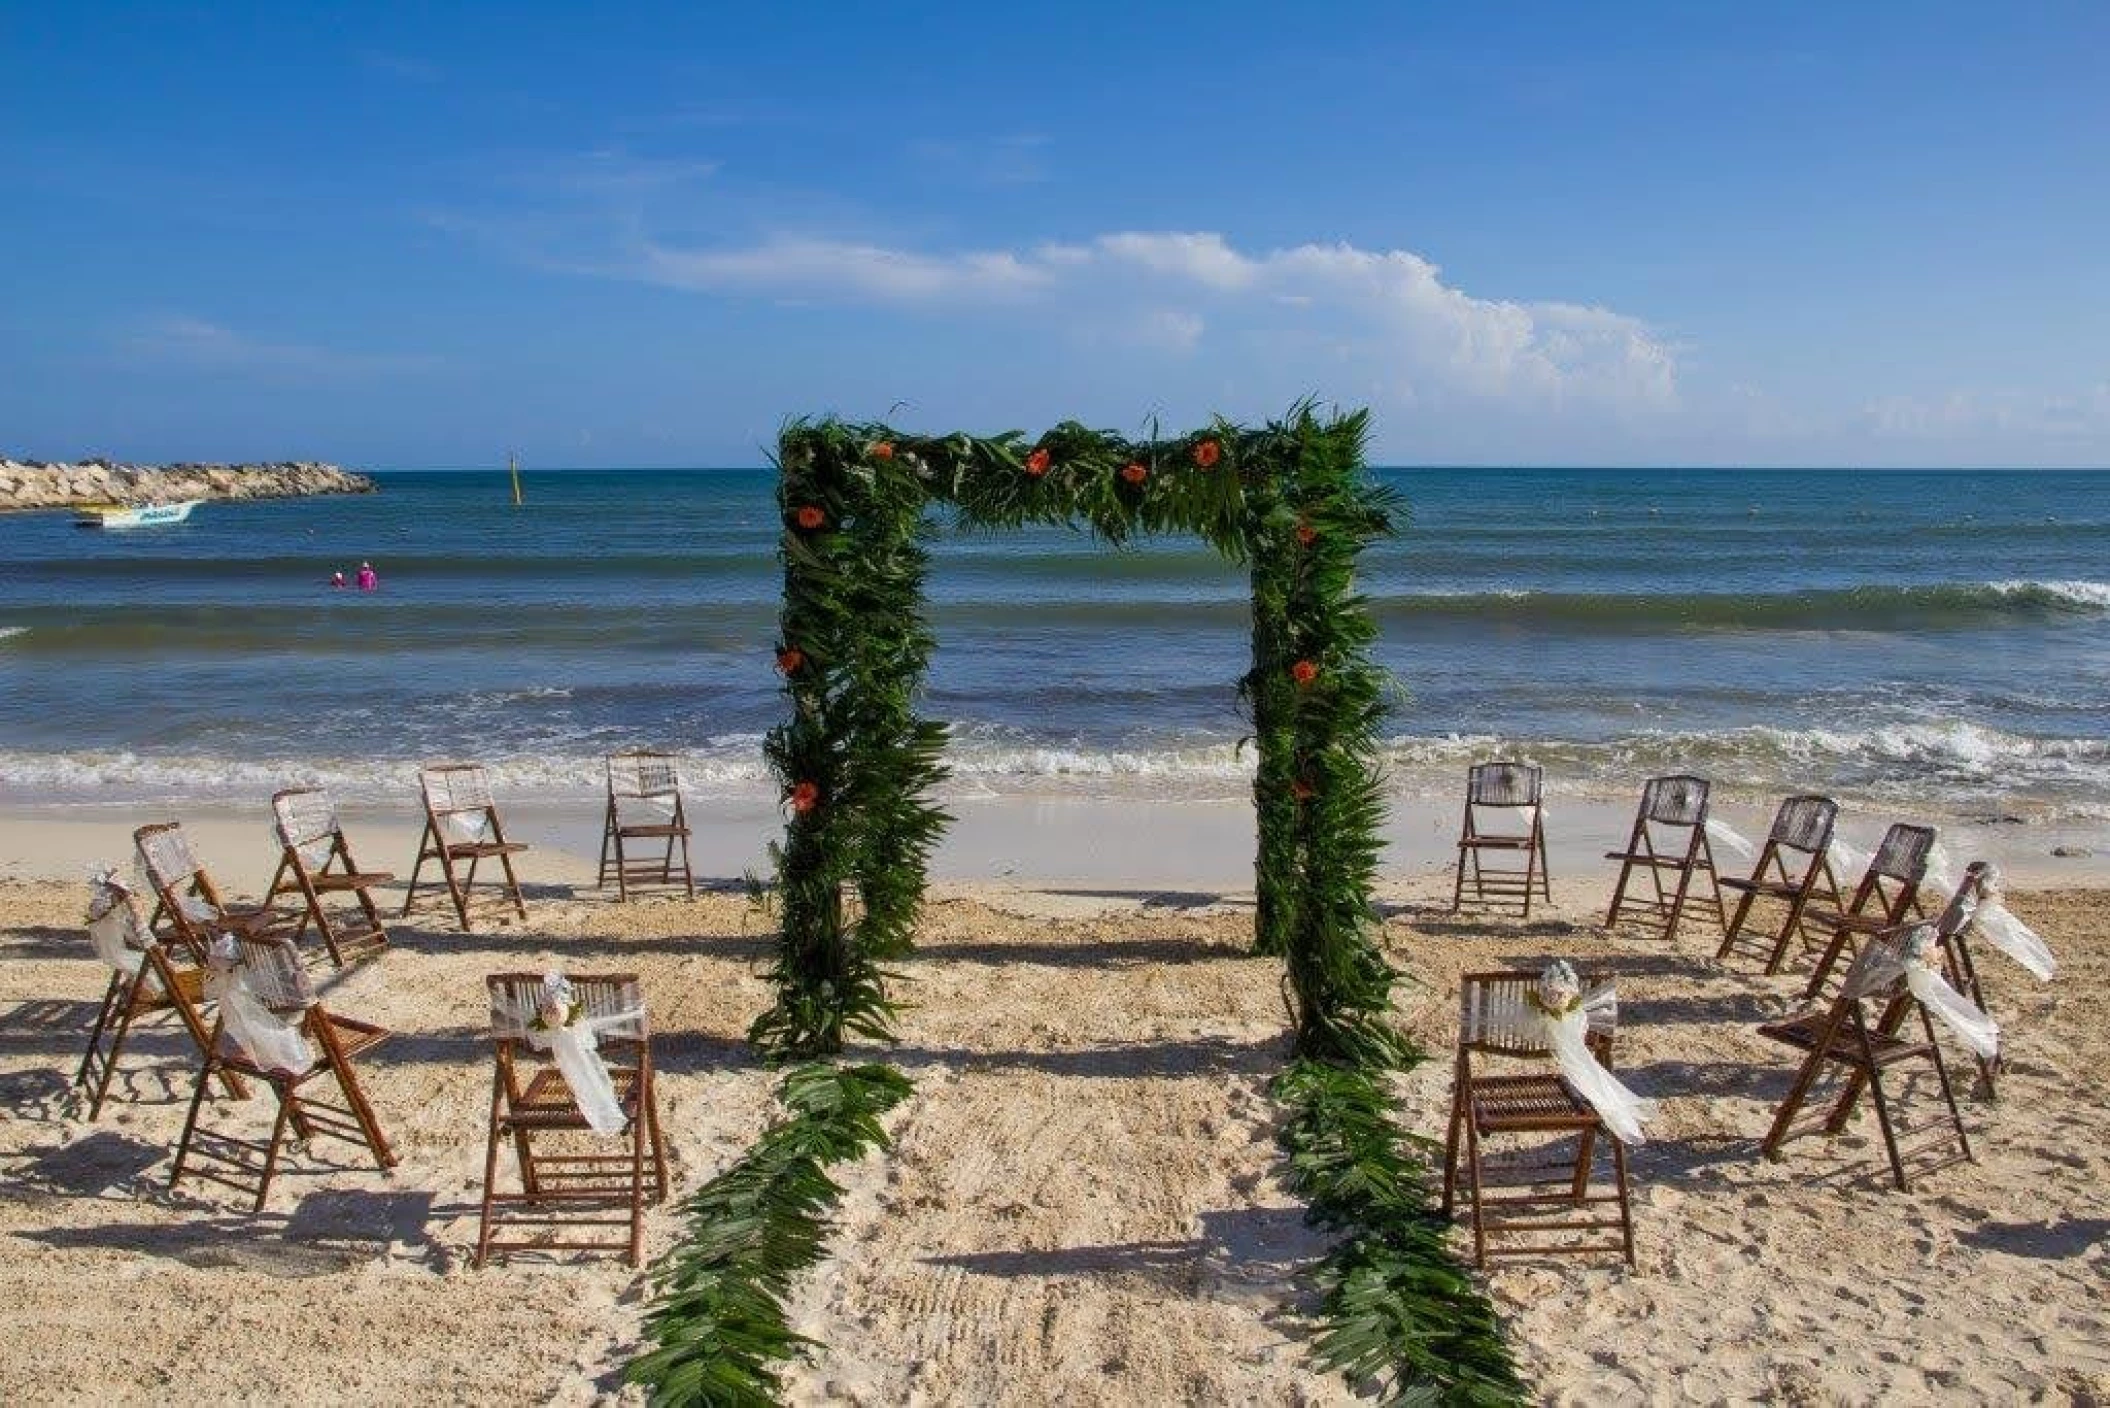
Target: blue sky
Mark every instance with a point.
(1557, 234)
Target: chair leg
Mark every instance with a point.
(1890, 1139)
(1789, 929)
(363, 1113)
(459, 887)
(1584, 1155)
(688, 876)
(659, 1140)
(1472, 1168)
(190, 1121)
(1545, 867)
(113, 992)
(110, 1058)
(1677, 903)
(600, 879)
(1530, 874)
(1626, 1204)
(410, 892)
(1458, 884)
(1735, 927)
(637, 1192)
(1790, 1104)
(1611, 918)
(286, 1102)
(1450, 1152)
(117, 1045)
(505, 862)
(1826, 961)
(622, 867)
(492, 1136)
(1948, 1091)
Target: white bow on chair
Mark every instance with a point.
(110, 921)
(1563, 1013)
(560, 1026)
(1914, 958)
(275, 1043)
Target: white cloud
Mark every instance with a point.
(2035, 415)
(197, 344)
(1179, 291)
(814, 268)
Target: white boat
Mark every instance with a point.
(133, 515)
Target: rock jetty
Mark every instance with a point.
(34, 484)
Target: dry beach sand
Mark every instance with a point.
(1081, 1205)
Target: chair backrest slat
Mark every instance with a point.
(1503, 784)
(1495, 1013)
(272, 966)
(304, 815)
(166, 853)
(1805, 823)
(1903, 854)
(455, 787)
(643, 774)
(600, 995)
(1679, 800)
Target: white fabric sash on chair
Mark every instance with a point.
(273, 1042)
(1728, 837)
(112, 922)
(559, 1027)
(466, 828)
(1559, 1017)
(1912, 959)
(1996, 922)
(654, 810)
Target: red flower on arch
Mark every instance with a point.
(1306, 534)
(810, 517)
(1303, 672)
(805, 797)
(1207, 453)
(884, 450)
(791, 659)
(1037, 463)
(1303, 791)
(1133, 473)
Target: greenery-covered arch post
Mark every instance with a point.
(856, 762)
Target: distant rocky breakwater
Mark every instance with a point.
(34, 484)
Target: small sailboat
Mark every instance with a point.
(132, 515)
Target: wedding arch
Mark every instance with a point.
(1292, 499)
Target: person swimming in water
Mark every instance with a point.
(337, 580)
(368, 578)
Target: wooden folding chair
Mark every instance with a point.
(273, 1028)
(1670, 834)
(146, 980)
(1886, 897)
(1493, 1021)
(560, 1190)
(187, 901)
(644, 804)
(1802, 827)
(1862, 1030)
(1514, 788)
(317, 861)
(461, 832)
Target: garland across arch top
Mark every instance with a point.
(1292, 499)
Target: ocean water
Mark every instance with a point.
(1938, 637)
